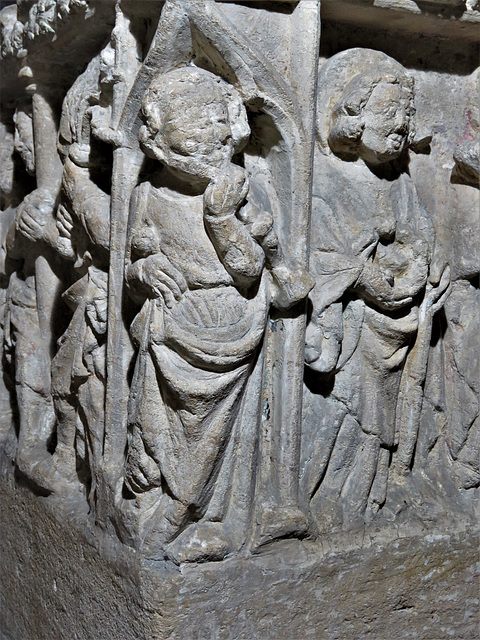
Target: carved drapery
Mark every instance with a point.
(163, 257)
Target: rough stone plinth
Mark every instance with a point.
(57, 583)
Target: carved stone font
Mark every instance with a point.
(239, 311)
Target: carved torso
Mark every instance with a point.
(177, 221)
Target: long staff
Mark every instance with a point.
(127, 159)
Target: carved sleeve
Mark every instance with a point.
(240, 254)
(92, 205)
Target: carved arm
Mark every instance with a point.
(91, 204)
(240, 254)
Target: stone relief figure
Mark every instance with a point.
(8, 202)
(376, 291)
(31, 295)
(206, 263)
(83, 217)
(61, 401)
(67, 332)
(15, 182)
(461, 342)
(448, 448)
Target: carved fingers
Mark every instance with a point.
(258, 222)
(64, 222)
(142, 473)
(34, 216)
(64, 225)
(437, 295)
(100, 124)
(226, 192)
(323, 339)
(163, 279)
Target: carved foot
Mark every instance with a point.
(202, 542)
(281, 522)
(49, 473)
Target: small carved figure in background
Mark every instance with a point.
(31, 294)
(83, 224)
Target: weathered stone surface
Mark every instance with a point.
(239, 319)
(59, 580)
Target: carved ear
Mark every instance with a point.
(153, 147)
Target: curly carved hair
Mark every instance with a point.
(347, 122)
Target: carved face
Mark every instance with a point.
(200, 129)
(194, 122)
(107, 65)
(386, 124)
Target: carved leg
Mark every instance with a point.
(64, 460)
(91, 400)
(326, 504)
(378, 493)
(35, 405)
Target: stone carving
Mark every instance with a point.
(32, 289)
(204, 252)
(208, 255)
(461, 340)
(198, 252)
(159, 272)
(239, 309)
(376, 291)
(82, 220)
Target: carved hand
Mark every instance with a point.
(258, 222)
(141, 472)
(163, 279)
(100, 123)
(64, 223)
(323, 339)
(290, 286)
(226, 192)
(97, 314)
(35, 219)
(436, 295)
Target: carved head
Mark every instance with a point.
(373, 118)
(194, 121)
(107, 65)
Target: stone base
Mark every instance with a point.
(60, 581)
